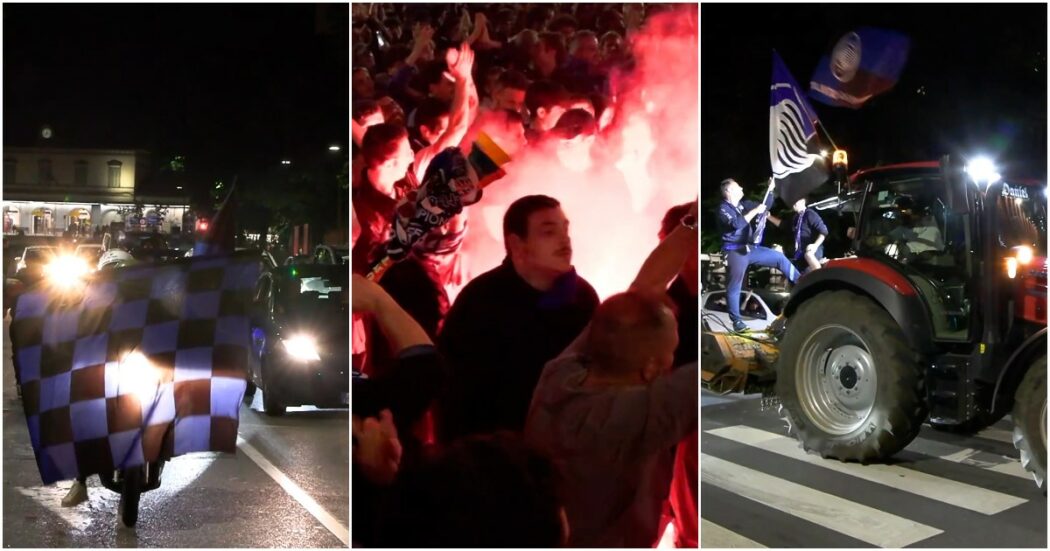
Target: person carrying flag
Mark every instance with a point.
(734, 223)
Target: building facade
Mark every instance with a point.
(51, 191)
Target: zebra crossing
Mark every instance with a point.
(760, 489)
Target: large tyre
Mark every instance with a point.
(1030, 421)
(850, 386)
(128, 507)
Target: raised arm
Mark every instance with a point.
(461, 64)
(400, 329)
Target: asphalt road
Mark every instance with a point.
(759, 489)
(287, 486)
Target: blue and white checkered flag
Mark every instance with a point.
(144, 363)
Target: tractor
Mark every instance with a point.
(939, 316)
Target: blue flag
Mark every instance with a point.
(143, 363)
(794, 151)
(864, 63)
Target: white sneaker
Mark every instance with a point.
(78, 494)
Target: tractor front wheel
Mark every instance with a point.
(849, 384)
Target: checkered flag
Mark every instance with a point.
(147, 362)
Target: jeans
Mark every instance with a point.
(738, 262)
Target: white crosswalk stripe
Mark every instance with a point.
(835, 513)
(713, 536)
(948, 491)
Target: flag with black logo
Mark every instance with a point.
(794, 151)
(864, 63)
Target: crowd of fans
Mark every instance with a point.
(526, 412)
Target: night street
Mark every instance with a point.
(205, 499)
(944, 490)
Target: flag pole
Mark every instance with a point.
(826, 135)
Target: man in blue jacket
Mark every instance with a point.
(734, 223)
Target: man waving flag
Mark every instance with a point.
(794, 153)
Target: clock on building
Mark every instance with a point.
(46, 132)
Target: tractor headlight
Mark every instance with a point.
(1024, 255)
(983, 171)
(1011, 267)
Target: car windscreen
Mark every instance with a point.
(314, 286)
(35, 255)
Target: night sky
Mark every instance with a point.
(982, 68)
(230, 87)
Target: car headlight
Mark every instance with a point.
(67, 271)
(302, 348)
(138, 376)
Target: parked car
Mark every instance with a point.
(31, 263)
(328, 254)
(299, 260)
(268, 263)
(755, 311)
(301, 337)
(90, 252)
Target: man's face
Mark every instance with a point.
(575, 153)
(547, 245)
(396, 166)
(363, 85)
(612, 48)
(734, 193)
(443, 89)
(543, 54)
(432, 134)
(511, 99)
(587, 49)
(799, 205)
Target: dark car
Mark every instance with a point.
(301, 337)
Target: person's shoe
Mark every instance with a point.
(740, 327)
(78, 494)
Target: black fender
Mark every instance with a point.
(887, 287)
(1016, 366)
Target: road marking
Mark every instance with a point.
(713, 535)
(988, 502)
(855, 520)
(297, 493)
(970, 457)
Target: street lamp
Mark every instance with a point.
(286, 162)
(334, 147)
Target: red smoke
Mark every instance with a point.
(639, 166)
